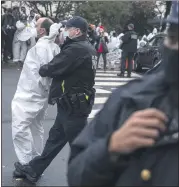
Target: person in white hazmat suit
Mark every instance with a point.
(142, 42)
(31, 22)
(151, 35)
(31, 98)
(114, 51)
(20, 41)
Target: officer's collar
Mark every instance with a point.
(69, 41)
(80, 38)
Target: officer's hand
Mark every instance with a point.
(140, 130)
(43, 70)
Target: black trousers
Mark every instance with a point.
(104, 59)
(65, 129)
(8, 39)
(125, 56)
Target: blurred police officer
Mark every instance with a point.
(129, 48)
(136, 143)
(72, 89)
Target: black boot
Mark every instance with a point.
(27, 171)
(18, 174)
(19, 65)
(120, 74)
(129, 75)
(5, 60)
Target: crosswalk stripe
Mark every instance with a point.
(100, 100)
(108, 71)
(113, 75)
(93, 113)
(112, 79)
(101, 91)
(109, 83)
(106, 74)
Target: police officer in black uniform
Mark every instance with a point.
(72, 89)
(129, 48)
(133, 140)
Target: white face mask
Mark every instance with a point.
(66, 34)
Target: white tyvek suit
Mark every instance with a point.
(22, 34)
(30, 100)
(114, 42)
(142, 42)
(113, 57)
(151, 35)
(32, 25)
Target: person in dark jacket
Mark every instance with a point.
(16, 13)
(92, 35)
(72, 89)
(101, 47)
(8, 29)
(129, 48)
(23, 12)
(133, 140)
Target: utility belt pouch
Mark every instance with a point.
(83, 104)
(91, 94)
(65, 104)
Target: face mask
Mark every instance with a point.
(66, 34)
(171, 64)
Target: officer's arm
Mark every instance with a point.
(90, 163)
(63, 63)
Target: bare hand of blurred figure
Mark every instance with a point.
(139, 131)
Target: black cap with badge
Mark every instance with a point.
(77, 22)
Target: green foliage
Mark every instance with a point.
(46, 8)
(141, 12)
(110, 13)
(114, 15)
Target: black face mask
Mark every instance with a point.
(171, 65)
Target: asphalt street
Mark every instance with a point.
(55, 175)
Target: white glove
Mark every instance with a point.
(54, 29)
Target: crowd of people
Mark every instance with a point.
(18, 36)
(117, 49)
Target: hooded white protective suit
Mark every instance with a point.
(142, 42)
(151, 35)
(31, 99)
(21, 36)
(32, 25)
